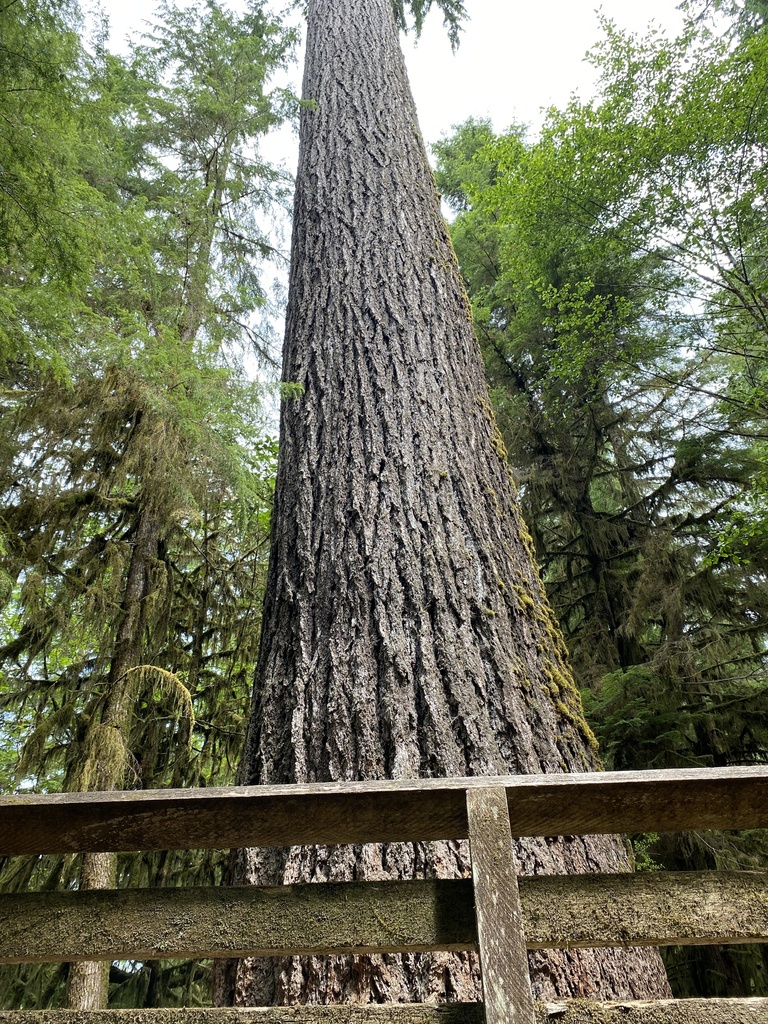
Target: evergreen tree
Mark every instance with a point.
(616, 277)
(405, 631)
(135, 473)
(44, 199)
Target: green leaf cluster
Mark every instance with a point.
(136, 466)
(616, 269)
(453, 12)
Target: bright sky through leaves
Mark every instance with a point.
(514, 59)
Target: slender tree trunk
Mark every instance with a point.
(200, 264)
(88, 981)
(405, 631)
(88, 985)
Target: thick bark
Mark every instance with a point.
(405, 631)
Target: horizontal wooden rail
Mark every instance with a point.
(683, 1011)
(667, 1011)
(427, 809)
(538, 913)
(660, 908)
(456, 1013)
(142, 924)
(680, 908)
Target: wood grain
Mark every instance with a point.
(501, 941)
(456, 1013)
(667, 1011)
(128, 924)
(650, 908)
(684, 1011)
(681, 908)
(426, 809)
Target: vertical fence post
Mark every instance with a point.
(503, 958)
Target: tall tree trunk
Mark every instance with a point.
(88, 984)
(405, 630)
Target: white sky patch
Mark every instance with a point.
(515, 59)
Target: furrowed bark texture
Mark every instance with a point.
(405, 631)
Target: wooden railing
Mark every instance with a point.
(495, 913)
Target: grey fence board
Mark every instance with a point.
(501, 942)
(425, 809)
(684, 1011)
(660, 908)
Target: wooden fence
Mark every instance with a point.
(495, 913)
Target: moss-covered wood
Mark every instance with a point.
(684, 1011)
(141, 924)
(666, 1011)
(457, 1013)
(417, 809)
(663, 908)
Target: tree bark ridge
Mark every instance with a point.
(405, 630)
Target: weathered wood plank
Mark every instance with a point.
(224, 818)
(427, 809)
(402, 1013)
(668, 1011)
(501, 941)
(137, 924)
(680, 908)
(661, 908)
(684, 1011)
(661, 801)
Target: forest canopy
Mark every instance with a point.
(616, 267)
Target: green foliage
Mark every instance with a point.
(695, 181)
(641, 849)
(745, 16)
(608, 384)
(616, 268)
(44, 235)
(647, 722)
(155, 409)
(452, 10)
(135, 469)
(40, 67)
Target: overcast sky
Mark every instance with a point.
(515, 57)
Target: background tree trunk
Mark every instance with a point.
(405, 629)
(88, 980)
(107, 747)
